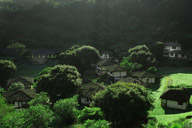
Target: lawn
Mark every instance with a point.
(28, 69)
(167, 115)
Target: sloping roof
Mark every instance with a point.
(143, 74)
(28, 79)
(179, 95)
(172, 44)
(43, 52)
(104, 63)
(88, 90)
(114, 68)
(129, 80)
(29, 93)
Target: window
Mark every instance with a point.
(174, 47)
(180, 103)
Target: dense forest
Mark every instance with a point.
(119, 24)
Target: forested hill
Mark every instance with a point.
(101, 23)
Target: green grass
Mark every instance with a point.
(31, 70)
(181, 80)
(168, 115)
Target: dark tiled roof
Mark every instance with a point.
(143, 74)
(114, 68)
(10, 95)
(172, 44)
(88, 90)
(105, 63)
(28, 79)
(43, 52)
(179, 95)
(129, 80)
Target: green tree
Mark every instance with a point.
(7, 68)
(157, 50)
(66, 111)
(18, 49)
(42, 98)
(92, 113)
(15, 119)
(141, 55)
(96, 124)
(80, 57)
(4, 108)
(39, 116)
(124, 103)
(61, 82)
(88, 55)
(15, 86)
(130, 66)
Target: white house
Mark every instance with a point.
(173, 50)
(116, 72)
(106, 55)
(144, 76)
(175, 98)
(88, 90)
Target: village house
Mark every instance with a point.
(144, 76)
(116, 72)
(27, 81)
(88, 90)
(19, 97)
(175, 98)
(174, 50)
(41, 56)
(131, 80)
(101, 67)
(106, 55)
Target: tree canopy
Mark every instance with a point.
(7, 68)
(60, 82)
(124, 103)
(80, 56)
(139, 57)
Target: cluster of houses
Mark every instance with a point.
(109, 66)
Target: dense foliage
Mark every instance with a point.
(139, 58)
(81, 57)
(62, 81)
(66, 111)
(102, 23)
(124, 103)
(92, 113)
(7, 68)
(17, 49)
(35, 117)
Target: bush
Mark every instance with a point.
(93, 113)
(96, 124)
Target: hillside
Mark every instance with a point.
(118, 23)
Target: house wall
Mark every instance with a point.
(174, 104)
(85, 100)
(119, 74)
(148, 80)
(171, 48)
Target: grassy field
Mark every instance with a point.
(31, 70)
(167, 115)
